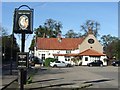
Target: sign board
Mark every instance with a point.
(22, 59)
(23, 21)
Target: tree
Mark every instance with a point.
(107, 39)
(9, 45)
(51, 28)
(90, 24)
(72, 34)
(40, 31)
(110, 50)
(3, 30)
(32, 45)
(118, 50)
(110, 45)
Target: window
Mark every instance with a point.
(68, 51)
(56, 57)
(91, 41)
(43, 56)
(57, 61)
(48, 53)
(67, 58)
(86, 58)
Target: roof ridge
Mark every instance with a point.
(85, 50)
(93, 51)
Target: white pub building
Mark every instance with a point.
(87, 49)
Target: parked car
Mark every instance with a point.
(116, 63)
(96, 63)
(35, 60)
(58, 64)
(68, 63)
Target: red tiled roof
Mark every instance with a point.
(91, 52)
(54, 44)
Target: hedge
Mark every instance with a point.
(48, 60)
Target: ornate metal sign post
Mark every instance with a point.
(23, 24)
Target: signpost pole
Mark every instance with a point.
(21, 80)
(23, 42)
(22, 75)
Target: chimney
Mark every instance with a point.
(59, 38)
(44, 35)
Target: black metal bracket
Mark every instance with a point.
(24, 6)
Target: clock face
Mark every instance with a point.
(91, 41)
(23, 22)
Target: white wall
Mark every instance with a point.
(61, 58)
(85, 62)
(103, 60)
(94, 58)
(49, 53)
(75, 51)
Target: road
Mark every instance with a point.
(5, 72)
(76, 77)
(109, 76)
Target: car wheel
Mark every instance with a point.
(117, 65)
(101, 65)
(90, 65)
(68, 65)
(80, 64)
(55, 66)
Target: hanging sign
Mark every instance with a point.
(23, 21)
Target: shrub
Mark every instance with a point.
(48, 60)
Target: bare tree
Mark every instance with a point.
(90, 24)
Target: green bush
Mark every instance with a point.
(48, 60)
(29, 80)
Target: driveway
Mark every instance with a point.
(75, 77)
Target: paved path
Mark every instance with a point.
(75, 77)
(11, 81)
(6, 80)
